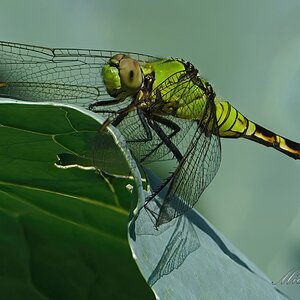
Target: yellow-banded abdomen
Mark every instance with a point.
(232, 124)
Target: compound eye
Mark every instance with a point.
(131, 75)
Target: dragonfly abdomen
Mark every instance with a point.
(232, 124)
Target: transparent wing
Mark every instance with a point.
(195, 172)
(62, 75)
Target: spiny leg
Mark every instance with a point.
(166, 141)
(103, 103)
(167, 123)
(146, 128)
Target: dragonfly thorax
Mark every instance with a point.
(122, 76)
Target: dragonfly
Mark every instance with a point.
(163, 107)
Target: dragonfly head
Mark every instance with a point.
(122, 76)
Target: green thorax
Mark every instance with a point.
(177, 88)
(162, 69)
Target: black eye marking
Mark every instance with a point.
(131, 75)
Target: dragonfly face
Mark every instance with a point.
(122, 76)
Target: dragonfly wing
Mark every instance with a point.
(42, 92)
(62, 75)
(196, 170)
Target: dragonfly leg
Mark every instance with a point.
(121, 114)
(146, 128)
(103, 103)
(165, 139)
(167, 123)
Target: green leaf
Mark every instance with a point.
(63, 231)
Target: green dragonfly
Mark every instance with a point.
(162, 106)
